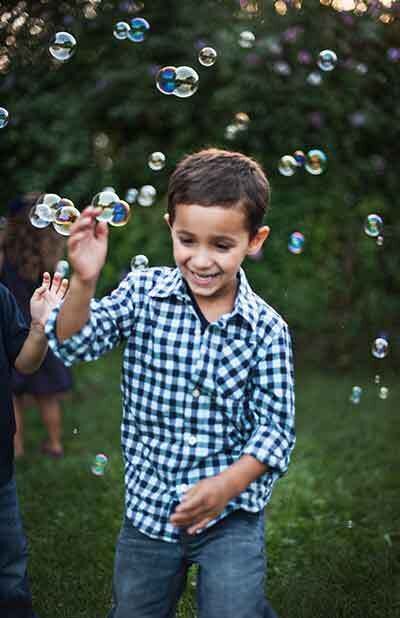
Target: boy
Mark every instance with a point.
(24, 348)
(207, 388)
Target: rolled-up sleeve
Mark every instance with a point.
(272, 404)
(110, 321)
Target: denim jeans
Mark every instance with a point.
(15, 595)
(150, 574)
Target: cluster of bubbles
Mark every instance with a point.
(247, 39)
(145, 196)
(373, 227)
(355, 396)
(4, 115)
(139, 262)
(62, 46)
(53, 209)
(182, 81)
(207, 56)
(314, 162)
(327, 60)
(114, 211)
(296, 243)
(99, 464)
(240, 123)
(135, 31)
(156, 161)
(380, 347)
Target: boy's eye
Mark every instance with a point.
(223, 247)
(186, 241)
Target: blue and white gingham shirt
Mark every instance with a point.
(193, 402)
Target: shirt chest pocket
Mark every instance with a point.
(231, 373)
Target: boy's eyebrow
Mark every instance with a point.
(215, 236)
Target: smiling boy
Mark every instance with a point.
(208, 402)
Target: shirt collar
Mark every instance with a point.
(245, 303)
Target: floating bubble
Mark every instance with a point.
(373, 225)
(231, 131)
(121, 30)
(105, 200)
(287, 165)
(380, 347)
(75, 431)
(356, 393)
(109, 189)
(35, 220)
(246, 39)
(383, 392)
(327, 60)
(377, 379)
(296, 243)
(147, 195)
(207, 56)
(380, 241)
(131, 195)
(99, 464)
(138, 30)
(47, 205)
(66, 216)
(166, 80)
(314, 78)
(121, 214)
(62, 267)
(316, 162)
(3, 223)
(300, 158)
(187, 82)
(63, 46)
(156, 161)
(139, 262)
(45, 213)
(4, 115)
(242, 121)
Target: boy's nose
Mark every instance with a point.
(201, 260)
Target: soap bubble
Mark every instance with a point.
(156, 161)
(121, 30)
(287, 165)
(139, 262)
(47, 205)
(316, 162)
(373, 225)
(246, 39)
(63, 46)
(231, 131)
(356, 393)
(327, 60)
(207, 56)
(166, 80)
(66, 216)
(187, 82)
(109, 189)
(147, 195)
(35, 220)
(121, 214)
(242, 121)
(105, 200)
(314, 78)
(4, 115)
(62, 267)
(296, 243)
(99, 464)
(131, 195)
(380, 241)
(138, 30)
(300, 158)
(383, 392)
(380, 347)
(377, 379)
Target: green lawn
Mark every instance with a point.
(333, 525)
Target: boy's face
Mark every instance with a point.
(209, 245)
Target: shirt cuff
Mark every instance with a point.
(270, 448)
(67, 351)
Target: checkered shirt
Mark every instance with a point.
(193, 402)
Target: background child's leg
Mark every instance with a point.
(149, 576)
(50, 410)
(19, 434)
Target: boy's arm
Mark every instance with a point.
(33, 351)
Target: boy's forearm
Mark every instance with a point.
(240, 474)
(33, 351)
(75, 310)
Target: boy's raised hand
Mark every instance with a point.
(46, 297)
(87, 245)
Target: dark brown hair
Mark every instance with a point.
(216, 177)
(30, 250)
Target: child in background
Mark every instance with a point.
(208, 401)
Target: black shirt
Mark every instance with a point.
(13, 332)
(203, 319)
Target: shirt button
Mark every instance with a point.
(192, 440)
(196, 392)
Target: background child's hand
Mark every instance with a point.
(48, 296)
(87, 245)
(202, 503)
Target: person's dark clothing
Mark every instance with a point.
(52, 377)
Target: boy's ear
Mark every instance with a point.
(258, 240)
(166, 219)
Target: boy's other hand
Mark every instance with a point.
(87, 245)
(47, 296)
(202, 503)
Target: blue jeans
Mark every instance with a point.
(150, 574)
(15, 595)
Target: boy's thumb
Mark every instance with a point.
(101, 229)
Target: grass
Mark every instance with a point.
(333, 524)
